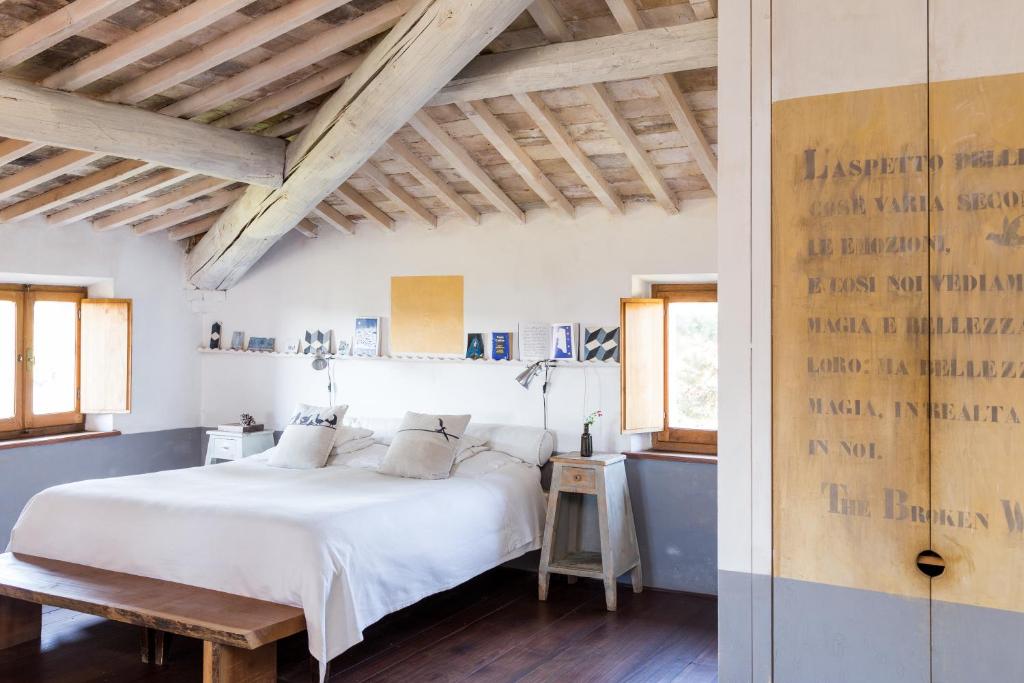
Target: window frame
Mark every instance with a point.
(25, 423)
(674, 439)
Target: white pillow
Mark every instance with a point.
(532, 445)
(425, 446)
(484, 463)
(344, 434)
(368, 458)
(353, 445)
(470, 446)
(384, 428)
(307, 440)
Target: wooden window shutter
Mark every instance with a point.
(642, 359)
(106, 355)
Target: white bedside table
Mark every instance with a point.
(236, 445)
(602, 475)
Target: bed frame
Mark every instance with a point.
(239, 634)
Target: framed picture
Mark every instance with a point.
(501, 345)
(343, 348)
(366, 340)
(475, 346)
(564, 341)
(600, 344)
(237, 341)
(215, 336)
(261, 344)
(316, 340)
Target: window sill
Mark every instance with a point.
(55, 439)
(669, 456)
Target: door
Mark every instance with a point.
(977, 354)
(851, 259)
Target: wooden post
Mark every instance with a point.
(20, 622)
(226, 664)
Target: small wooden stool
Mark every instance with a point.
(603, 476)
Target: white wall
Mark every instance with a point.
(148, 270)
(550, 270)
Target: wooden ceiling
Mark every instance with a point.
(264, 66)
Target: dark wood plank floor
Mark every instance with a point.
(490, 629)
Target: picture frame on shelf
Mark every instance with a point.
(215, 336)
(316, 340)
(475, 346)
(564, 341)
(501, 346)
(237, 341)
(600, 344)
(366, 340)
(261, 344)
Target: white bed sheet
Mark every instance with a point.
(347, 545)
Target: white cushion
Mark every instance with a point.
(353, 445)
(469, 446)
(383, 428)
(485, 462)
(308, 439)
(344, 434)
(425, 446)
(366, 458)
(532, 445)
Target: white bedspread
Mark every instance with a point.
(347, 545)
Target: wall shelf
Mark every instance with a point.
(406, 359)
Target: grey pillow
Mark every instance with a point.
(308, 438)
(425, 446)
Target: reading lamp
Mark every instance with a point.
(526, 377)
(320, 362)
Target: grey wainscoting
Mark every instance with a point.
(28, 470)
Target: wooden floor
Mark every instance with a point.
(490, 629)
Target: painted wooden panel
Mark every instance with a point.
(106, 355)
(850, 253)
(427, 314)
(977, 319)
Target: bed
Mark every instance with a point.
(344, 543)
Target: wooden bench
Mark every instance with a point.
(239, 634)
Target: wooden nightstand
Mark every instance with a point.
(235, 445)
(603, 476)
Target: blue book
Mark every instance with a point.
(501, 345)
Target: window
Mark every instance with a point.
(691, 368)
(61, 355)
(669, 367)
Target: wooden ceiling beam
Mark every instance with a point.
(53, 28)
(12, 150)
(44, 171)
(62, 119)
(334, 218)
(502, 140)
(581, 164)
(291, 125)
(185, 193)
(307, 228)
(221, 49)
(215, 202)
(364, 206)
(629, 19)
(426, 49)
(316, 49)
(622, 131)
(549, 20)
(192, 228)
(640, 54)
(142, 43)
(397, 194)
(325, 81)
(115, 198)
(75, 189)
(431, 180)
(464, 164)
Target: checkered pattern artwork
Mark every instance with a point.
(319, 340)
(601, 344)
